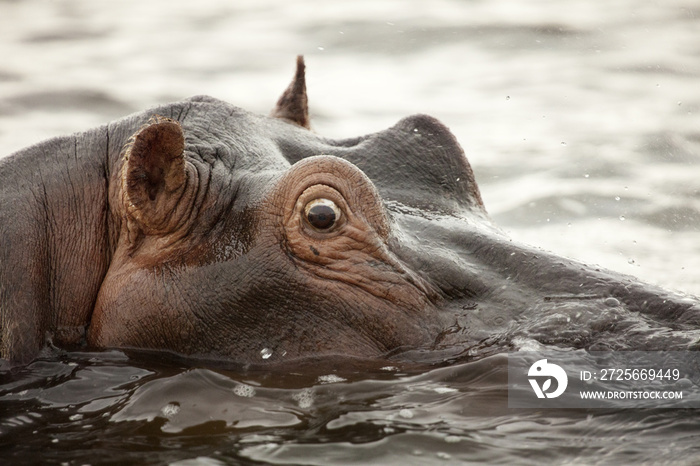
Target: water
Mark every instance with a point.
(581, 120)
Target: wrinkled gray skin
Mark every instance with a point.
(78, 267)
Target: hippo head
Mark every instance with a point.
(253, 239)
(228, 235)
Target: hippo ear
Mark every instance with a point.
(154, 172)
(293, 105)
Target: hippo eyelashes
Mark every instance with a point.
(322, 214)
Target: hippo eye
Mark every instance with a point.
(322, 214)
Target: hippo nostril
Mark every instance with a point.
(322, 214)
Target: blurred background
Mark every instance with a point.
(581, 118)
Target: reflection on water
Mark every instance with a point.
(581, 120)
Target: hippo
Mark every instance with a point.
(201, 230)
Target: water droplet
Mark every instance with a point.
(265, 353)
(453, 439)
(406, 413)
(507, 97)
(617, 198)
(321, 49)
(622, 218)
(563, 143)
(630, 261)
(586, 175)
(443, 456)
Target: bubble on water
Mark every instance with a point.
(622, 218)
(170, 410)
(406, 413)
(331, 378)
(586, 175)
(684, 383)
(611, 302)
(265, 353)
(246, 391)
(630, 261)
(305, 398)
(617, 198)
